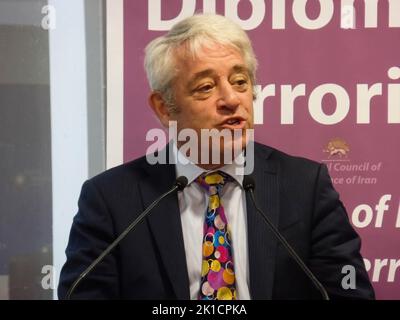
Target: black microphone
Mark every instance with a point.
(179, 184)
(249, 186)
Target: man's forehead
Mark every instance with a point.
(237, 68)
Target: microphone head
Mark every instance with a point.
(181, 182)
(248, 183)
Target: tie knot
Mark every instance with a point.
(213, 180)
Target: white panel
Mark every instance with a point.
(68, 119)
(115, 82)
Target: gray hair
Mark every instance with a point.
(195, 32)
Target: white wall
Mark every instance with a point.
(68, 83)
(115, 88)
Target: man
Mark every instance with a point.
(208, 241)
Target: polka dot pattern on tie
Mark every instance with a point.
(217, 272)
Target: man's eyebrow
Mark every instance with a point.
(239, 68)
(200, 75)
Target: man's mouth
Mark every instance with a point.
(234, 123)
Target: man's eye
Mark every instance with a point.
(241, 82)
(205, 88)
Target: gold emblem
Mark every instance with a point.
(337, 147)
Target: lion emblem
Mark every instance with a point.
(337, 147)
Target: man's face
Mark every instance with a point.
(213, 91)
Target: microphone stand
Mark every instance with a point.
(179, 185)
(249, 186)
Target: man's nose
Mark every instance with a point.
(228, 100)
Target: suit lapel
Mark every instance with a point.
(261, 242)
(165, 225)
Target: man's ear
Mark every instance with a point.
(160, 108)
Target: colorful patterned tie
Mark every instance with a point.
(217, 272)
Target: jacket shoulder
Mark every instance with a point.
(129, 171)
(286, 162)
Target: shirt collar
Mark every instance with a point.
(184, 167)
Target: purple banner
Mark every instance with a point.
(329, 90)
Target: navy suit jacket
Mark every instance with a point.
(296, 194)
